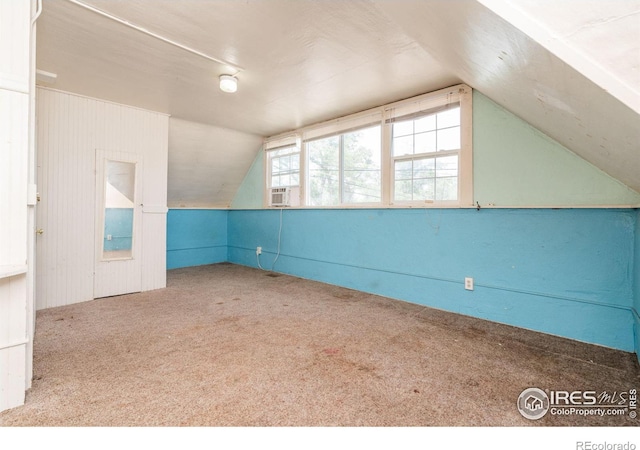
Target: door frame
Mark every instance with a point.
(117, 276)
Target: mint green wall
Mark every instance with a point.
(251, 191)
(514, 164)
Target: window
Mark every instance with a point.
(415, 152)
(425, 157)
(284, 164)
(345, 169)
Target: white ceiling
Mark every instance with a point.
(565, 66)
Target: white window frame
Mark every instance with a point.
(341, 169)
(385, 115)
(413, 157)
(271, 146)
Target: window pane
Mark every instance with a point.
(285, 166)
(324, 171)
(284, 163)
(404, 170)
(447, 188)
(424, 168)
(447, 166)
(447, 178)
(361, 166)
(423, 189)
(402, 128)
(426, 179)
(403, 146)
(275, 165)
(449, 118)
(295, 162)
(402, 190)
(427, 123)
(426, 142)
(449, 139)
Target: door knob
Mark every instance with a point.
(39, 231)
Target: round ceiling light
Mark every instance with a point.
(228, 83)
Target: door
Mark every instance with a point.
(118, 240)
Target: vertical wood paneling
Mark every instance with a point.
(14, 45)
(64, 271)
(70, 130)
(14, 159)
(13, 341)
(14, 114)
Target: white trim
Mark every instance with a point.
(109, 102)
(344, 125)
(273, 143)
(9, 84)
(13, 270)
(154, 209)
(24, 341)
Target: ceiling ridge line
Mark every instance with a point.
(156, 35)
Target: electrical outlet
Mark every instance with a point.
(108, 237)
(258, 250)
(468, 283)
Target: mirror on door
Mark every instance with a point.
(118, 210)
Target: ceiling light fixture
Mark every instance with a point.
(228, 83)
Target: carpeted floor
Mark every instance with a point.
(225, 345)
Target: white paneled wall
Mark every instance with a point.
(15, 31)
(70, 129)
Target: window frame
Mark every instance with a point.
(271, 146)
(271, 156)
(385, 116)
(341, 169)
(432, 155)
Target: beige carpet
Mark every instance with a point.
(225, 345)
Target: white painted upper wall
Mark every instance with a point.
(207, 163)
(71, 131)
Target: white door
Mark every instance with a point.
(118, 230)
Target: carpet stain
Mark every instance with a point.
(331, 351)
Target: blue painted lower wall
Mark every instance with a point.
(564, 272)
(196, 237)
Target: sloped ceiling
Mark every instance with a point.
(199, 175)
(303, 61)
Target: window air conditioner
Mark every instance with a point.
(280, 196)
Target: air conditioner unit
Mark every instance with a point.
(280, 196)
